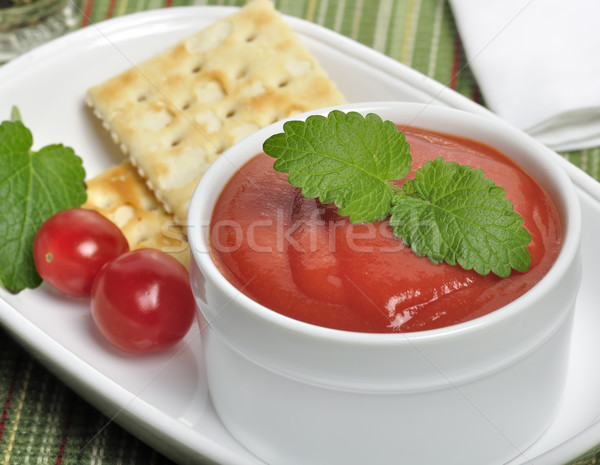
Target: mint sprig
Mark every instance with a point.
(33, 186)
(449, 212)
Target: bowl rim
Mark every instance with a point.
(237, 155)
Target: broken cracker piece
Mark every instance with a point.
(122, 196)
(176, 112)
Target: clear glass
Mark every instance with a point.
(25, 24)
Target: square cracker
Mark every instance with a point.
(121, 195)
(176, 112)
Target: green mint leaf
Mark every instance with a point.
(343, 158)
(452, 213)
(33, 186)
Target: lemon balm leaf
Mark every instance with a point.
(452, 213)
(33, 186)
(344, 158)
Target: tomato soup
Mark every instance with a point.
(302, 259)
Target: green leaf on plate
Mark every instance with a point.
(33, 186)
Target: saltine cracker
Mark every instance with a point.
(176, 112)
(122, 196)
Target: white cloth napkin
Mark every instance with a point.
(537, 63)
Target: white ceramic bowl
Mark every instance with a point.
(479, 392)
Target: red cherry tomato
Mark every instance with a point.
(71, 247)
(142, 301)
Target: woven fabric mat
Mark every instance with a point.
(42, 420)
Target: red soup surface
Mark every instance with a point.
(302, 259)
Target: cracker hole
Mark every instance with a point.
(283, 84)
(251, 38)
(230, 113)
(242, 73)
(106, 203)
(142, 98)
(196, 69)
(176, 142)
(186, 106)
